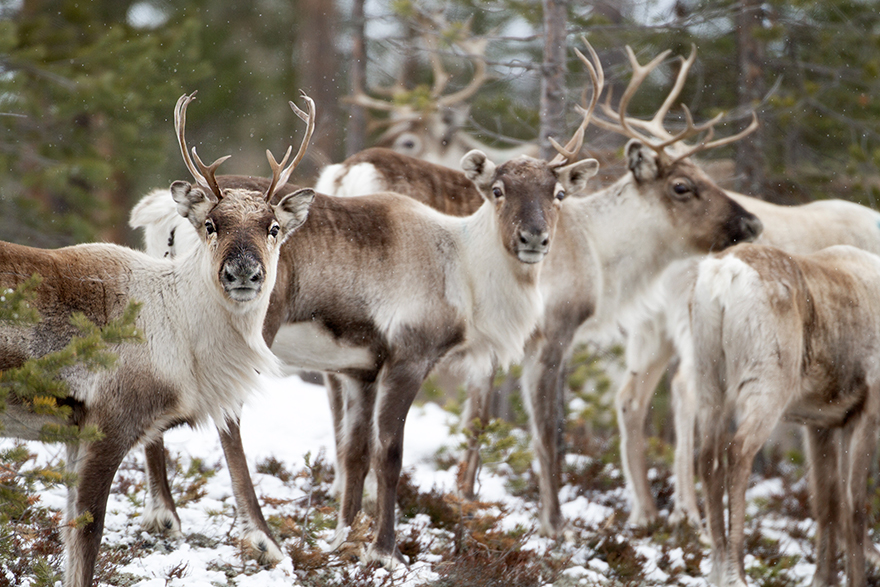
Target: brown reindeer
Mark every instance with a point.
(376, 291)
(202, 316)
(796, 337)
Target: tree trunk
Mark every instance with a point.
(318, 67)
(553, 76)
(356, 138)
(750, 169)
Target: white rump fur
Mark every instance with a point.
(661, 326)
(360, 180)
(778, 335)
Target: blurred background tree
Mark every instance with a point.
(87, 89)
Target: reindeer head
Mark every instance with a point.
(664, 173)
(241, 228)
(527, 193)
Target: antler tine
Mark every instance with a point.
(361, 99)
(203, 174)
(690, 129)
(707, 144)
(686, 64)
(279, 178)
(476, 50)
(276, 169)
(597, 77)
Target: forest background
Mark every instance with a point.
(87, 89)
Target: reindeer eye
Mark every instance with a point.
(560, 194)
(681, 189)
(273, 230)
(209, 227)
(496, 191)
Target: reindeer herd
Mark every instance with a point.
(394, 265)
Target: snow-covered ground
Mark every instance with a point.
(290, 419)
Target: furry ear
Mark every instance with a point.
(479, 169)
(292, 210)
(193, 203)
(642, 161)
(574, 177)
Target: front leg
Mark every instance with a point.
(478, 408)
(543, 391)
(160, 514)
(95, 465)
(256, 537)
(400, 381)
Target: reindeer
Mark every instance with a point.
(375, 291)
(796, 337)
(661, 330)
(202, 316)
(678, 211)
(432, 128)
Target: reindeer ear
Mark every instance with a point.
(479, 169)
(574, 177)
(642, 161)
(293, 209)
(193, 203)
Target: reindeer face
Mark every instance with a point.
(242, 233)
(706, 218)
(527, 195)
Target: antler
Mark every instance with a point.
(474, 49)
(655, 125)
(203, 174)
(279, 175)
(597, 76)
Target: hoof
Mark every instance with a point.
(161, 521)
(391, 561)
(261, 548)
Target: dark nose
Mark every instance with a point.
(751, 227)
(244, 271)
(534, 239)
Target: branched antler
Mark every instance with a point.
(660, 138)
(280, 173)
(597, 76)
(203, 174)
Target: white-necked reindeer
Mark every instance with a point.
(661, 330)
(376, 290)
(796, 337)
(202, 316)
(610, 247)
(433, 130)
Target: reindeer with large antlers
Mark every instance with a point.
(184, 371)
(661, 330)
(430, 125)
(610, 247)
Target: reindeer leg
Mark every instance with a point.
(478, 408)
(335, 397)
(543, 388)
(859, 443)
(757, 422)
(822, 456)
(256, 537)
(713, 474)
(160, 514)
(400, 380)
(95, 467)
(684, 403)
(353, 450)
(632, 402)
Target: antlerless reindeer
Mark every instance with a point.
(202, 317)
